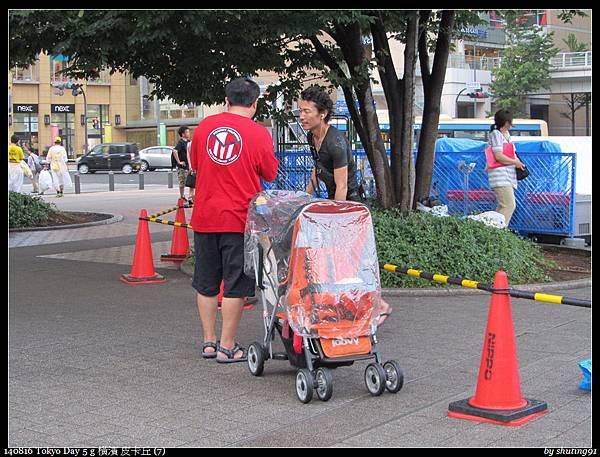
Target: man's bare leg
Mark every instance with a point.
(207, 308)
(231, 309)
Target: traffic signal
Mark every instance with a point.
(96, 123)
(478, 94)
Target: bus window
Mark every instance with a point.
(480, 135)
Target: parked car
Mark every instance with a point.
(155, 157)
(110, 156)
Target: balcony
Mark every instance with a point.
(29, 75)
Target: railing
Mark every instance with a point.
(572, 59)
(545, 202)
(561, 61)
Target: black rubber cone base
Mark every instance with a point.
(463, 410)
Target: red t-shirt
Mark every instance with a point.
(230, 153)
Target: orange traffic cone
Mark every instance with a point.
(247, 303)
(142, 271)
(180, 245)
(498, 397)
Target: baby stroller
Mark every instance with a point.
(316, 265)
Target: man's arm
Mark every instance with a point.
(176, 155)
(269, 164)
(310, 188)
(340, 176)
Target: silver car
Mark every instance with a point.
(155, 157)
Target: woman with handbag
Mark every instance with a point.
(502, 176)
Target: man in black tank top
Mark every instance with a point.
(334, 164)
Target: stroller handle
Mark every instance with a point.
(261, 255)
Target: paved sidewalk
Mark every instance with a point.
(95, 362)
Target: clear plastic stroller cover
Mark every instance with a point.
(319, 262)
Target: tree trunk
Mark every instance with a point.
(405, 180)
(393, 90)
(349, 40)
(432, 87)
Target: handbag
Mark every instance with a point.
(522, 174)
(190, 180)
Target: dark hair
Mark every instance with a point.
(500, 118)
(320, 98)
(181, 130)
(14, 139)
(242, 92)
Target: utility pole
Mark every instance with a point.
(157, 110)
(474, 77)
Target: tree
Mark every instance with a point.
(525, 66)
(574, 102)
(574, 45)
(190, 57)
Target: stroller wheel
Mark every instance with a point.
(375, 379)
(394, 376)
(324, 384)
(256, 359)
(304, 385)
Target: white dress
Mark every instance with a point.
(57, 157)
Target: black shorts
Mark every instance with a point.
(220, 256)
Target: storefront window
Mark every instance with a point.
(97, 120)
(25, 126)
(63, 125)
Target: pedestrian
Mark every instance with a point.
(33, 161)
(15, 171)
(190, 181)
(503, 179)
(179, 158)
(231, 153)
(57, 157)
(332, 154)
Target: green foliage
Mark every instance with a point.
(525, 64)
(27, 211)
(454, 247)
(574, 45)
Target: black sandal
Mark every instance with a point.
(230, 353)
(209, 355)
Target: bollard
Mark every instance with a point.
(111, 180)
(77, 179)
(141, 177)
(170, 179)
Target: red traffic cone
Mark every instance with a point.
(142, 271)
(498, 397)
(247, 304)
(180, 245)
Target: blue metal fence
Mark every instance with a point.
(545, 201)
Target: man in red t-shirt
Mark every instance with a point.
(230, 153)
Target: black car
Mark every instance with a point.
(110, 156)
